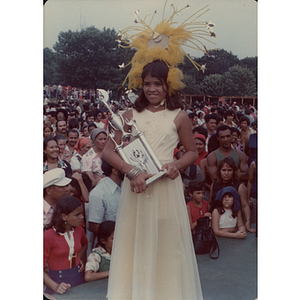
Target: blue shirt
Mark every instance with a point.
(104, 201)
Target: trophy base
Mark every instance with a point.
(155, 177)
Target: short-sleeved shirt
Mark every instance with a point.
(91, 162)
(98, 260)
(104, 201)
(57, 250)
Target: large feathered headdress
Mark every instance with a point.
(164, 42)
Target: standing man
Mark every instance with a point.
(72, 139)
(211, 126)
(61, 128)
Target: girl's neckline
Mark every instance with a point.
(154, 112)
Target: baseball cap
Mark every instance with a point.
(56, 177)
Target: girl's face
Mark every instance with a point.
(227, 201)
(154, 90)
(47, 132)
(108, 243)
(74, 218)
(234, 138)
(61, 145)
(226, 173)
(52, 149)
(200, 145)
(86, 132)
(100, 140)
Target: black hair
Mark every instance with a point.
(231, 163)
(45, 143)
(222, 128)
(106, 168)
(59, 137)
(86, 180)
(73, 123)
(244, 118)
(234, 129)
(160, 70)
(105, 229)
(213, 143)
(65, 206)
(219, 119)
(192, 115)
(196, 185)
(209, 117)
(200, 130)
(227, 113)
(218, 205)
(74, 131)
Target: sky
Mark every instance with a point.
(235, 20)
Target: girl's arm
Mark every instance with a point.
(57, 288)
(223, 233)
(91, 275)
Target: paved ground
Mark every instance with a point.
(233, 276)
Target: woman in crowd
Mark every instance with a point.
(91, 161)
(51, 158)
(83, 146)
(64, 154)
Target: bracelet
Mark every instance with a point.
(133, 173)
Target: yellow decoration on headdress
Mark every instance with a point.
(165, 43)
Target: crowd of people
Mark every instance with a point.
(82, 189)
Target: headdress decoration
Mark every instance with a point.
(165, 42)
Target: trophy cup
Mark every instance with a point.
(138, 152)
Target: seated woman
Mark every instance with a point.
(65, 245)
(226, 214)
(226, 173)
(98, 262)
(51, 158)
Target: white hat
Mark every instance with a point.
(56, 177)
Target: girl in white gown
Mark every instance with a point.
(153, 256)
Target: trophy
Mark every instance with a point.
(138, 152)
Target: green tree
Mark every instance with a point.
(90, 58)
(50, 67)
(213, 85)
(239, 81)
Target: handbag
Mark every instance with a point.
(204, 238)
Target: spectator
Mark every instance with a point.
(226, 215)
(72, 139)
(246, 131)
(236, 139)
(91, 127)
(225, 150)
(55, 187)
(64, 247)
(51, 158)
(197, 207)
(211, 126)
(193, 119)
(61, 128)
(91, 161)
(64, 154)
(105, 197)
(98, 118)
(98, 262)
(200, 141)
(61, 114)
(83, 146)
(226, 176)
(229, 117)
(252, 144)
(47, 130)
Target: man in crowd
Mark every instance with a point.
(55, 187)
(72, 139)
(61, 128)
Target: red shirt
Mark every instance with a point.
(56, 248)
(197, 212)
(200, 157)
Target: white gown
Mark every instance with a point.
(153, 256)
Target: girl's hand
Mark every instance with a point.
(172, 171)
(241, 234)
(62, 288)
(138, 184)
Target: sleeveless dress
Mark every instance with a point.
(153, 256)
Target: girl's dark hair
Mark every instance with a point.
(46, 141)
(227, 160)
(218, 205)
(86, 180)
(65, 205)
(160, 70)
(105, 229)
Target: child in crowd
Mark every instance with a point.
(197, 207)
(98, 263)
(65, 244)
(226, 214)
